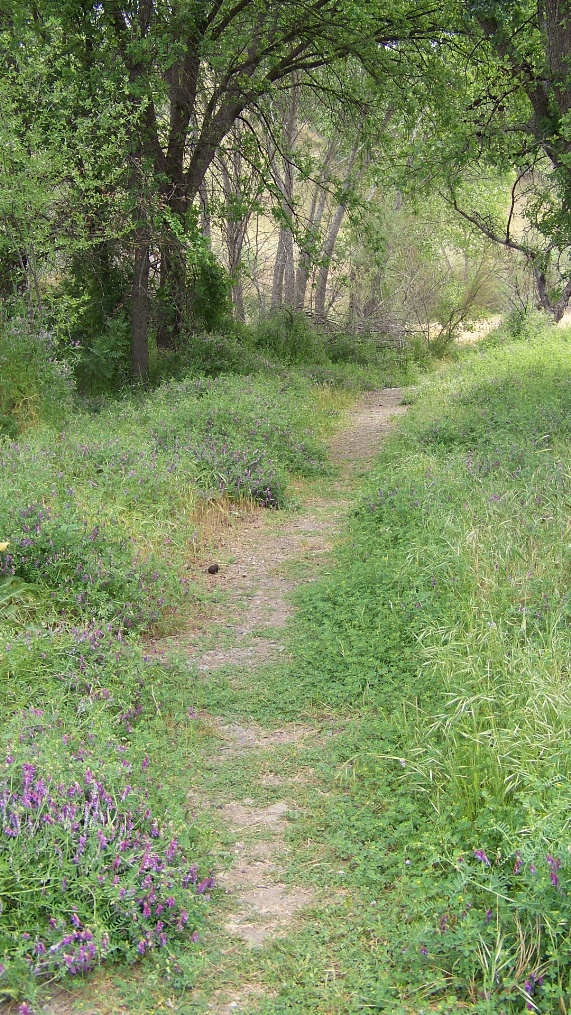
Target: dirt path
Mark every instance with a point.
(247, 633)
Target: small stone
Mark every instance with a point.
(214, 569)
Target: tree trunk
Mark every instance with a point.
(555, 310)
(205, 221)
(328, 250)
(288, 295)
(315, 216)
(236, 224)
(279, 270)
(283, 288)
(332, 236)
(140, 312)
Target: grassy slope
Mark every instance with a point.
(444, 631)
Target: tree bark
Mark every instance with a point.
(331, 239)
(283, 287)
(313, 226)
(140, 311)
(205, 220)
(279, 270)
(236, 224)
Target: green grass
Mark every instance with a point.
(444, 631)
(434, 827)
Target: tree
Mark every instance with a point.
(508, 107)
(187, 70)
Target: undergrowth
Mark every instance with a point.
(100, 858)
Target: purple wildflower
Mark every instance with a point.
(554, 864)
(172, 850)
(481, 856)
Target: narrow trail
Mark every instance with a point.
(247, 631)
(251, 780)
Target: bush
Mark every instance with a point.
(209, 294)
(34, 385)
(290, 337)
(207, 354)
(103, 366)
(86, 571)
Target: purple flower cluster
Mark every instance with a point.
(554, 863)
(529, 987)
(87, 570)
(73, 841)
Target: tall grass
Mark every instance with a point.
(446, 627)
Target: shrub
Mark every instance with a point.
(85, 570)
(34, 385)
(207, 354)
(103, 366)
(290, 336)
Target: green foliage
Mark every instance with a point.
(209, 294)
(208, 354)
(329, 355)
(74, 501)
(290, 337)
(120, 885)
(103, 366)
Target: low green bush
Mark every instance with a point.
(87, 870)
(290, 337)
(208, 355)
(35, 386)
